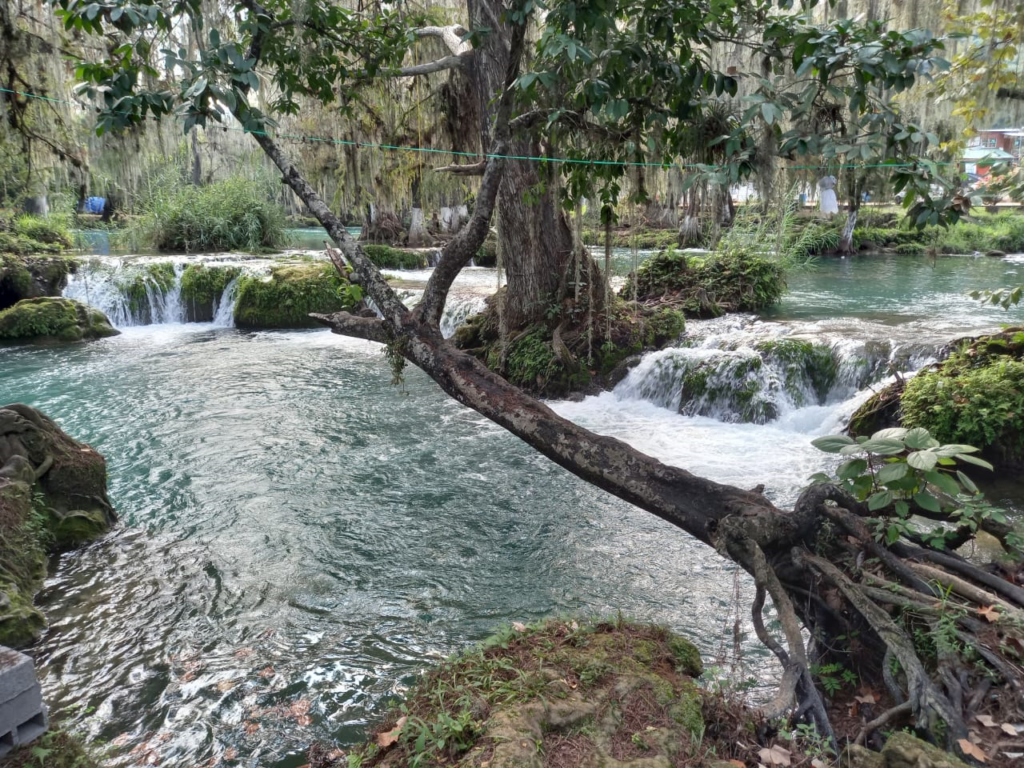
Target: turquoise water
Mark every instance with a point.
(299, 537)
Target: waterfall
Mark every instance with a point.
(133, 292)
(731, 371)
(224, 310)
(456, 311)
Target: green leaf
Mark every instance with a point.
(974, 460)
(819, 477)
(895, 433)
(923, 460)
(832, 443)
(926, 501)
(943, 482)
(902, 508)
(884, 446)
(892, 472)
(851, 469)
(918, 439)
(879, 500)
(966, 482)
(956, 450)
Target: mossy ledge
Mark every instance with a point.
(288, 296)
(51, 319)
(57, 748)
(589, 361)
(389, 257)
(613, 691)
(973, 397)
(53, 497)
(202, 287)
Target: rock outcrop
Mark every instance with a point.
(53, 319)
(53, 497)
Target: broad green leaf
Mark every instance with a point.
(879, 500)
(943, 482)
(902, 508)
(883, 446)
(926, 501)
(896, 433)
(851, 469)
(974, 460)
(917, 439)
(966, 482)
(923, 460)
(819, 477)
(956, 450)
(832, 443)
(892, 472)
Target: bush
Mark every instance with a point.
(231, 215)
(387, 257)
(976, 397)
(49, 231)
(709, 286)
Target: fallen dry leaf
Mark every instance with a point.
(818, 763)
(336, 754)
(267, 672)
(775, 755)
(251, 728)
(867, 698)
(990, 612)
(299, 707)
(738, 763)
(1007, 728)
(244, 653)
(225, 685)
(388, 738)
(518, 626)
(986, 720)
(972, 750)
(304, 720)
(121, 740)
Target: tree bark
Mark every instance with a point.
(535, 241)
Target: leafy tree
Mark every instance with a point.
(613, 81)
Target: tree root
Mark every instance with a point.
(882, 719)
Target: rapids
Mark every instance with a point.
(299, 537)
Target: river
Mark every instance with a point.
(300, 537)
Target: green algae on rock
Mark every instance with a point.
(202, 287)
(53, 497)
(53, 319)
(288, 296)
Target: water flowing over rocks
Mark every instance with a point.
(53, 496)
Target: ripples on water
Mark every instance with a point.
(300, 537)
(297, 530)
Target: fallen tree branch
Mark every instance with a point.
(882, 719)
(476, 169)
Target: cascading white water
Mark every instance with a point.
(740, 370)
(458, 309)
(224, 309)
(107, 283)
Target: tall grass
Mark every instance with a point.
(236, 214)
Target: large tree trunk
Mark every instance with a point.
(535, 243)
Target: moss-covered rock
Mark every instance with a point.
(286, 298)
(588, 361)
(141, 286)
(643, 238)
(604, 693)
(52, 319)
(974, 397)
(30, 277)
(389, 257)
(880, 411)
(487, 256)
(708, 286)
(202, 288)
(903, 750)
(53, 496)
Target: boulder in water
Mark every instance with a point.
(202, 288)
(53, 319)
(287, 298)
(53, 496)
